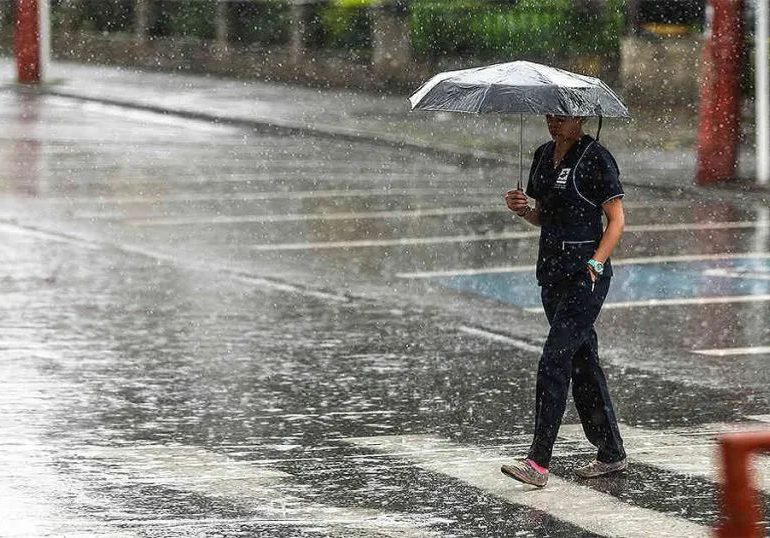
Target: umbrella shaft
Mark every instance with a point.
(521, 151)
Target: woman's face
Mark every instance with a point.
(564, 126)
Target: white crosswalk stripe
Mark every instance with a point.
(519, 344)
(272, 494)
(246, 483)
(691, 453)
(733, 351)
(579, 505)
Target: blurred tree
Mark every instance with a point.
(193, 18)
(346, 25)
(94, 15)
(259, 23)
(544, 29)
(591, 8)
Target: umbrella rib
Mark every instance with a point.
(486, 92)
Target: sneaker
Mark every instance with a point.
(598, 468)
(523, 471)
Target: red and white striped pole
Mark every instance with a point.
(31, 40)
(720, 100)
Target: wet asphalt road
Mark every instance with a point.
(208, 331)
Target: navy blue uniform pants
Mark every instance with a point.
(571, 352)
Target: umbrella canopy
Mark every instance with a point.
(519, 88)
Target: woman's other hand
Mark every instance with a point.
(517, 201)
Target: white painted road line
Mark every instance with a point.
(689, 301)
(161, 197)
(246, 483)
(11, 228)
(267, 219)
(164, 196)
(693, 226)
(471, 272)
(402, 241)
(243, 277)
(520, 344)
(498, 236)
(290, 288)
(581, 506)
(734, 351)
(736, 273)
(96, 244)
(690, 454)
(37, 496)
(682, 258)
(26, 512)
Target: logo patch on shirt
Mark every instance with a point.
(561, 181)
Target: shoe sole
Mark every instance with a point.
(621, 469)
(507, 471)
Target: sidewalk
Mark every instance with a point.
(655, 149)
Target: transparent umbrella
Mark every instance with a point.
(519, 88)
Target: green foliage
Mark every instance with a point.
(345, 24)
(6, 15)
(488, 30)
(352, 4)
(192, 18)
(264, 23)
(532, 28)
(96, 15)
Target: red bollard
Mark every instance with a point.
(27, 42)
(740, 504)
(720, 100)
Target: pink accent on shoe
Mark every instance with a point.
(538, 468)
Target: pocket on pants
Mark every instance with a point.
(586, 282)
(575, 255)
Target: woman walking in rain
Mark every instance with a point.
(573, 180)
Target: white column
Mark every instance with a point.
(221, 24)
(142, 20)
(44, 18)
(762, 93)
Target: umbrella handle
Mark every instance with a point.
(521, 151)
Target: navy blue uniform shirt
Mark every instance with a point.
(570, 197)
